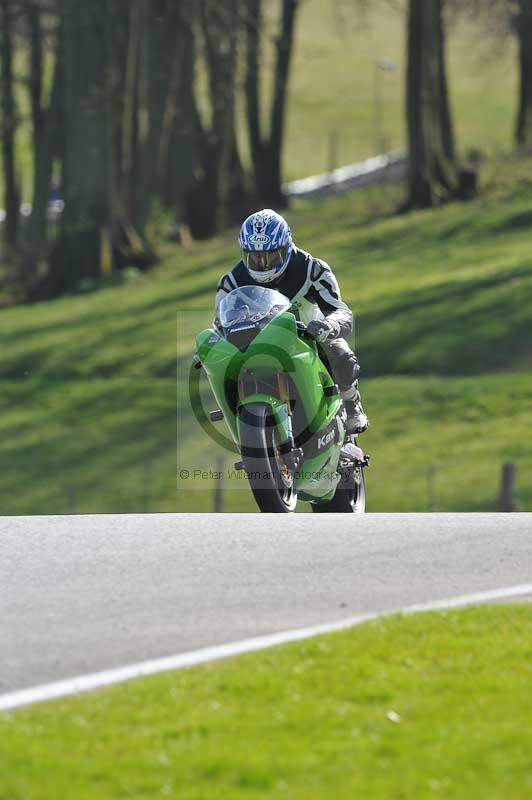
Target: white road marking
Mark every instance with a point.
(97, 680)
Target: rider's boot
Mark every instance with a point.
(357, 421)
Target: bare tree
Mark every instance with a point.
(218, 180)
(45, 115)
(523, 24)
(86, 167)
(497, 20)
(180, 147)
(128, 125)
(160, 42)
(97, 232)
(267, 148)
(9, 122)
(433, 171)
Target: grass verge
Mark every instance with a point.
(428, 706)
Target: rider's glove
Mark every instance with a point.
(323, 330)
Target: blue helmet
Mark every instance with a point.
(266, 243)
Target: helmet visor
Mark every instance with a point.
(264, 260)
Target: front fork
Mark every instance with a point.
(281, 407)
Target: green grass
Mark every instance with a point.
(444, 334)
(333, 85)
(109, 445)
(434, 705)
(332, 90)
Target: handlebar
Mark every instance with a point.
(302, 330)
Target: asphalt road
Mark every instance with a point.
(87, 593)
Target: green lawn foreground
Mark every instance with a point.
(426, 706)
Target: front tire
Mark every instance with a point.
(272, 483)
(349, 498)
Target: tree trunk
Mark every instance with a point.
(86, 157)
(124, 244)
(200, 172)
(46, 135)
(182, 129)
(97, 234)
(9, 124)
(253, 89)
(524, 32)
(266, 151)
(273, 191)
(433, 172)
(127, 118)
(209, 202)
(161, 36)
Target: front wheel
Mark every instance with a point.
(350, 495)
(271, 481)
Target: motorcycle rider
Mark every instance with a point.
(270, 258)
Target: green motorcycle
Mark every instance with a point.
(282, 407)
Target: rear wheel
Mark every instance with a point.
(349, 498)
(271, 481)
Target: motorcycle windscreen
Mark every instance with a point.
(244, 312)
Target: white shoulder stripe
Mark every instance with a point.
(329, 298)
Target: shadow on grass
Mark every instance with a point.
(99, 444)
(97, 318)
(463, 327)
(517, 222)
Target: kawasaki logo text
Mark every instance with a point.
(324, 440)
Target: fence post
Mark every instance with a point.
(332, 154)
(431, 488)
(507, 497)
(218, 486)
(146, 494)
(71, 500)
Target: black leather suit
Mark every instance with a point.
(310, 283)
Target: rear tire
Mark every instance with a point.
(349, 498)
(272, 483)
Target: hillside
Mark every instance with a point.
(444, 334)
